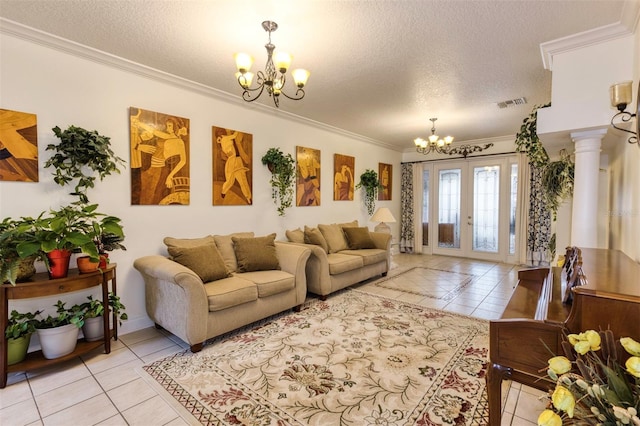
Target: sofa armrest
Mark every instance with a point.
(293, 259)
(317, 270)
(382, 240)
(175, 297)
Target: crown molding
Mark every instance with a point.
(627, 25)
(79, 50)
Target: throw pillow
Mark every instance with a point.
(205, 261)
(256, 254)
(352, 224)
(359, 238)
(314, 236)
(295, 235)
(225, 245)
(334, 236)
(188, 242)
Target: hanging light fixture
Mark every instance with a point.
(620, 94)
(273, 78)
(443, 146)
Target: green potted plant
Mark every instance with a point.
(557, 181)
(371, 185)
(80, 155)
(13, 267)
(18, 333)
(283, 173)
(58, 334)
(93, 314)
(107, 242)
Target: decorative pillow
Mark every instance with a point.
(188, 242)
(225, 245)
(295, 235)
(314, 236)
(359, 238)
(256, 254)
(334, 236)
(204, 260)
(353, 224)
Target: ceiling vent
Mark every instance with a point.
(512, 103)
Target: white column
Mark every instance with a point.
(584, 217)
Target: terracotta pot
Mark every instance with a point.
(104, 260)
(58, 263)
(85, 264)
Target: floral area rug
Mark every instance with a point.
(354, 359)
(428, 282)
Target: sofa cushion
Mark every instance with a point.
(352, 224)
(204, 260)
(256, 254)
(230, 292)
(358, 238)
(369, 256)
(334, 236)
(315, 237)
(270, 282)
(295, 235)
(225, 245)
(339, 263)
(188, 242)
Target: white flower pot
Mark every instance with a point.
(93, 329)
(58, 341)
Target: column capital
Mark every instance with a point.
(588, 134)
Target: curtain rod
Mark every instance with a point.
(459, 158)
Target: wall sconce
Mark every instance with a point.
(620, 94)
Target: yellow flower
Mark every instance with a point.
(563, 400)
(559, 364)
(585, 342)
(633, 366)
(630, 346)
(549, 418)
(582, 347)
(593, 337)
(573, 338)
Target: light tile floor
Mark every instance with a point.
(100, 389)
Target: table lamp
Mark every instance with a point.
(383, 215)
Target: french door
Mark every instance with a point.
(469, 208)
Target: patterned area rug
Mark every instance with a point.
(355, 359)
(433, 283)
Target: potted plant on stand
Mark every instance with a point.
(371, 185)
(14, 267)
(93, 314)
(283, 172)
(18, 333)
(107, 242)
(59, 335)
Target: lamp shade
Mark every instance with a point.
(383, 214)
(620, 94)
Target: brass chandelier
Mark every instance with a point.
(273, 78)
(443, 146)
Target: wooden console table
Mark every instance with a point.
(39, 286)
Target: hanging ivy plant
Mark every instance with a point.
(557, 181)
(370, 183)
(283, 173)
(527, 140)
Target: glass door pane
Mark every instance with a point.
(425, 208)
(512, 208)
(486, 209)
(450, 182)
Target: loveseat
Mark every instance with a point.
(341, 255)
(211, 285)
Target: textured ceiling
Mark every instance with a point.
(379, 68)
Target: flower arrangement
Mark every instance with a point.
(592, 387)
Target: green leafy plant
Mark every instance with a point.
(14, 232)
(20, 325)
(371, 185)
(65, 316)
(557, 180)
(80, 155)
(527, 140)
(95, 308)
(283, 173)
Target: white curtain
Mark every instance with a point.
(522, 209)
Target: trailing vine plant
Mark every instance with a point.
(527, 140)
(370, 183)
(283, 173)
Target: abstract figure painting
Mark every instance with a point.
(385, 174)
(343, 166)
(159, 158)
(232, 167)
(18, 146)
(308, 176)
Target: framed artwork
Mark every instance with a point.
(385, 174)
(232, 167)
(18, 146)
(343, 183)
(159, 158)
(307, 176)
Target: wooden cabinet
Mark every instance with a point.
(40, 286)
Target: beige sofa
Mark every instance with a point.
(231, 295)
(342, 255)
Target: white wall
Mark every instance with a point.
(86, 90)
